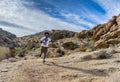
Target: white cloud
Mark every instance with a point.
(112, 7)
(19, 32)
(77, 19)
(15, 12)
(86, 13)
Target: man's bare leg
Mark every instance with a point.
(41, 54)
(44, 56)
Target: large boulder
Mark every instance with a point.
(60, 34)
(107, 34)
(118, 20)
(84, 34)
(102, 29)
(101, 44)
(98, 31)
(111, 38)
(69, 45)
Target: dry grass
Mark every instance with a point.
(3, 52)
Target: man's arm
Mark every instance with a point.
(41, 40)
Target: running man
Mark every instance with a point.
(45, 40)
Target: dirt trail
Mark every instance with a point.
(67, 69)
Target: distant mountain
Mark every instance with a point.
(6, 38)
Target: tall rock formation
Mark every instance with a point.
(104, 35)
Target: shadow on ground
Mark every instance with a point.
(95, 72)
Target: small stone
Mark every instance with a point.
(117, 61)
(25, 58)
(5, 61)
(4, 70)
(12, 59)
(88, 50)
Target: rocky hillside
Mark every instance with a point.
(6, 38)
(55, 35)
(104, 35)
(31, 43)
(66, 42)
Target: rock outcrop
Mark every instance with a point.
(55, 35)
(107, 34)
(69, 45)
(32, 43)
(84, 34)
(6, 38)
(103, 35)
(60, 34)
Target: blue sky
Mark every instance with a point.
(24, 17)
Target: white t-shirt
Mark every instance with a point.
(45, 41)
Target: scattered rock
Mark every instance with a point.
(89, 50)
(106, 34)
(117, 61)
(12, 60)
(113, 70)
(4, 70)
(115, 77)
(111, 51)
(60, 34)
(84, 34)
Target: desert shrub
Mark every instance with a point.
(103, 55)
(98, 55)
(12, 51)
(60, 51)
(20, 52)
(87, 57)
(87, 44)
